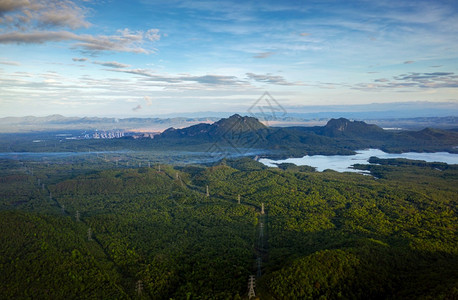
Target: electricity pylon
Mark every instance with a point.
(251, 285)
(139, 287)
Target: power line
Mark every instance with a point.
(258, 263)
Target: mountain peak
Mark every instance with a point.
(224, 127)
(239, 123)
(340, 126)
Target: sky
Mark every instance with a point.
(150, 58)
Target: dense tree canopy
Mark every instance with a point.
(94, 231)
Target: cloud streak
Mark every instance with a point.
(26, 14)
(207, 80)
(272, 79)
(111, 64)
(434, 80)
(124, 41)
(264, 55)
(42, 21)
(9, 63)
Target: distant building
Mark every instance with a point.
(106, 135)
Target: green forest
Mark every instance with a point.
(94, 230)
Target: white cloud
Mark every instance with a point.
(272, 79)
(148, 100)
(264, 54)
(82, 59)
(9, 63)
(434, 80)
(153, 35)
(111, 64)
(41, 21)
(11, 5)
(207, 80)
(29, 14)
(124, 41)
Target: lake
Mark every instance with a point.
(343, 163)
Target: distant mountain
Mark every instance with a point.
(338, 136)
(344, 127)
(234, 125)
(238, 123)
(61, 123)
(243, 135)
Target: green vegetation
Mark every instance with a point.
(326, 235)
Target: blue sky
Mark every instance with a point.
(147, 58)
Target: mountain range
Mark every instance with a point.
(156, 124)
(338, 136)
(239, 135)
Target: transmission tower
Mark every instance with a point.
(262, 208)
(63, 209)
(50, 196)
(208, 193)
(139, 287)
(159, 168)
(89, 234)
(43, 186)
(238, 198)
(251, 285)
(77, 216)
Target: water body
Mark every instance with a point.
(344, 163)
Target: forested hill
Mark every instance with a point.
(338, 136)
(96, 231)
(235, 123)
